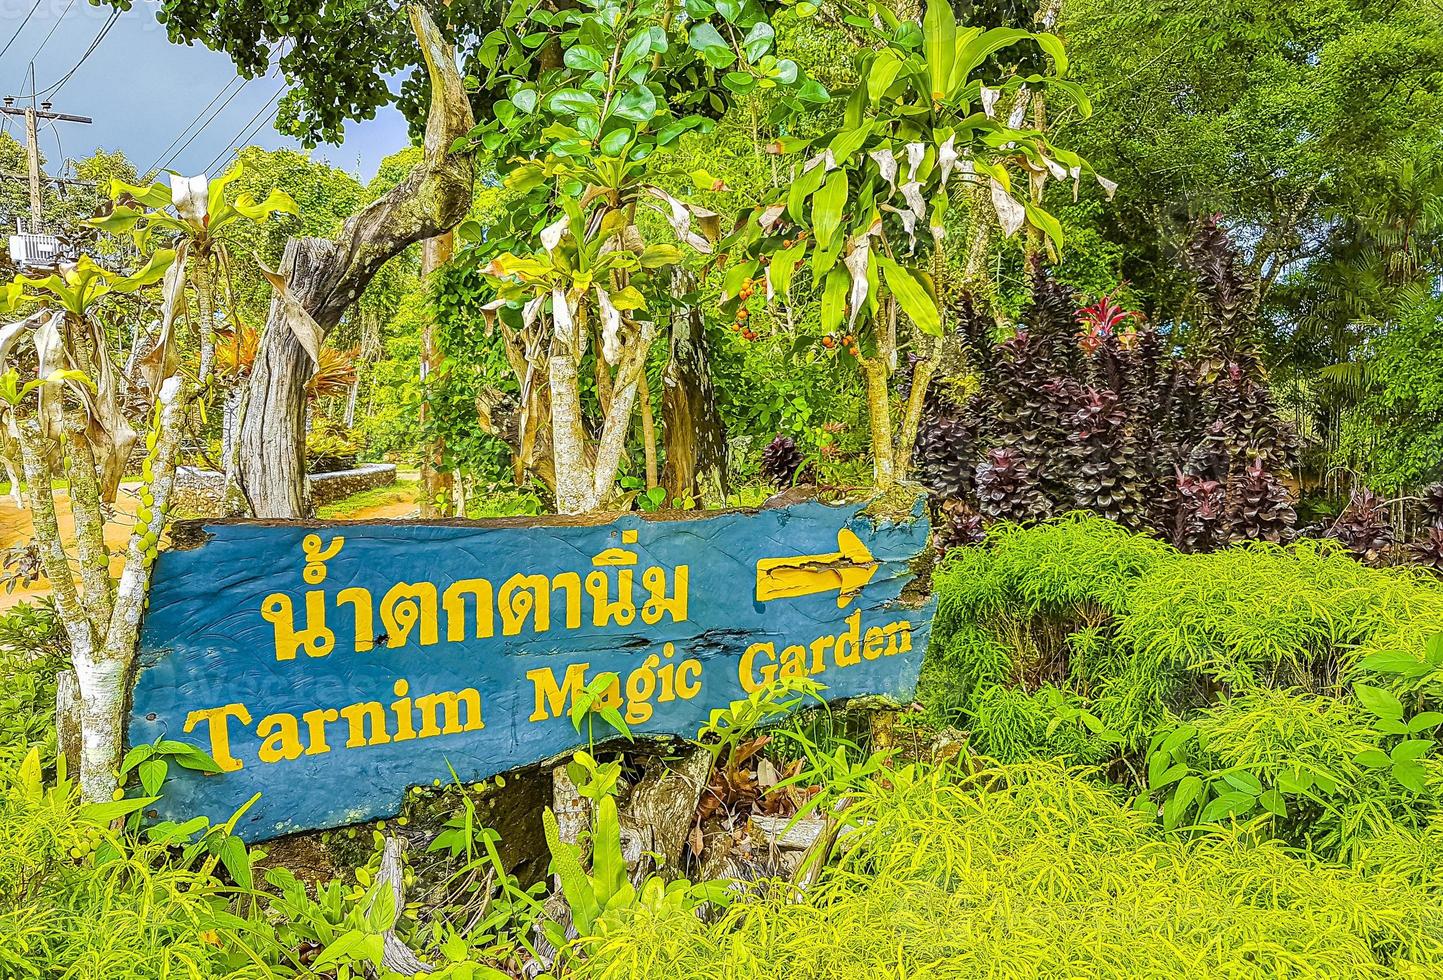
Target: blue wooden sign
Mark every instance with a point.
(328, 667)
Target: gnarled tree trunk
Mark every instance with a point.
(325, 277)
(694, 436)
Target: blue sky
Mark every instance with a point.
(141, 90)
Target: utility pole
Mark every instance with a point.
(32, 116)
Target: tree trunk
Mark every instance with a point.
(879, 412)
(324, 278)
(693, 434)
(271, 443)
(435, 478)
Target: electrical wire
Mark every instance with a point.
(240, 140)
(34, 8)
(153, 168)
(54, 88)
(51, 33)
(181, 149)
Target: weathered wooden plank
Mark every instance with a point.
(330, 666)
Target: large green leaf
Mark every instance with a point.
(638, 104)
(713, 47)
(827, 205)
(913, 297)
(939, 44)
(1052, 45)
(834, 299)
(783, 268)
(982, 47)
(582, 57)
(882, 73)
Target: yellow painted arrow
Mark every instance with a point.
(847, 569)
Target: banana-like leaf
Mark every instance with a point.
(276, 202)
(157, 195)
(939, 44)
(912, 296)
(121, 220)
(981, 47)
(153, 271)
(834, 300)
(827, 205)
(1052, 45)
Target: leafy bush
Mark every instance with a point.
(1033, 872)
(32, 652)
(1290, 682)
(1093, 408)
(78, 899)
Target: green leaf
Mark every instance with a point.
(582, 57)
(614, 143)
(827, 206)
(939, 45)
(1052, 45)
(237, 862)
(1171, 775)
(1273, 802)
(660, 256)
(913, 297)
(1043, 220)
(638, 104)
(1411, 775)
(981, 47)
(1394, 662)
(525, 100)
(740, 82)
(783, 269)
(1073, 91)
(1425, 720)
(105, 813)
(758, 40)
(1243, 781)
(834, 299)
(1411, 750)
(1380, 702)
(1235, 804)
(713, 47)
(1182, 800)
(1373, 759)
(152, 774)
(571, 102)
(883, 72)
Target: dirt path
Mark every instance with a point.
(16, 528)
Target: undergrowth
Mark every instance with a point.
(1261, 678)
(1039, 872)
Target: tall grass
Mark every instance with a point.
(1037, 872)
(1142, 631)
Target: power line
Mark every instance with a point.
(240, 140)
(34, 8)
(54, 88)
(181, 149)
(153, 168)
(51, 33)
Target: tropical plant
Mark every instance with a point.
(76, 417)
(868, 204)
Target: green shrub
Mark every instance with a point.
(1036, 872)
(32, 653)
(79, 900)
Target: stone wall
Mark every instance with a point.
(198, 492)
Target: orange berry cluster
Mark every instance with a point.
(848, 342)
(749, 288)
